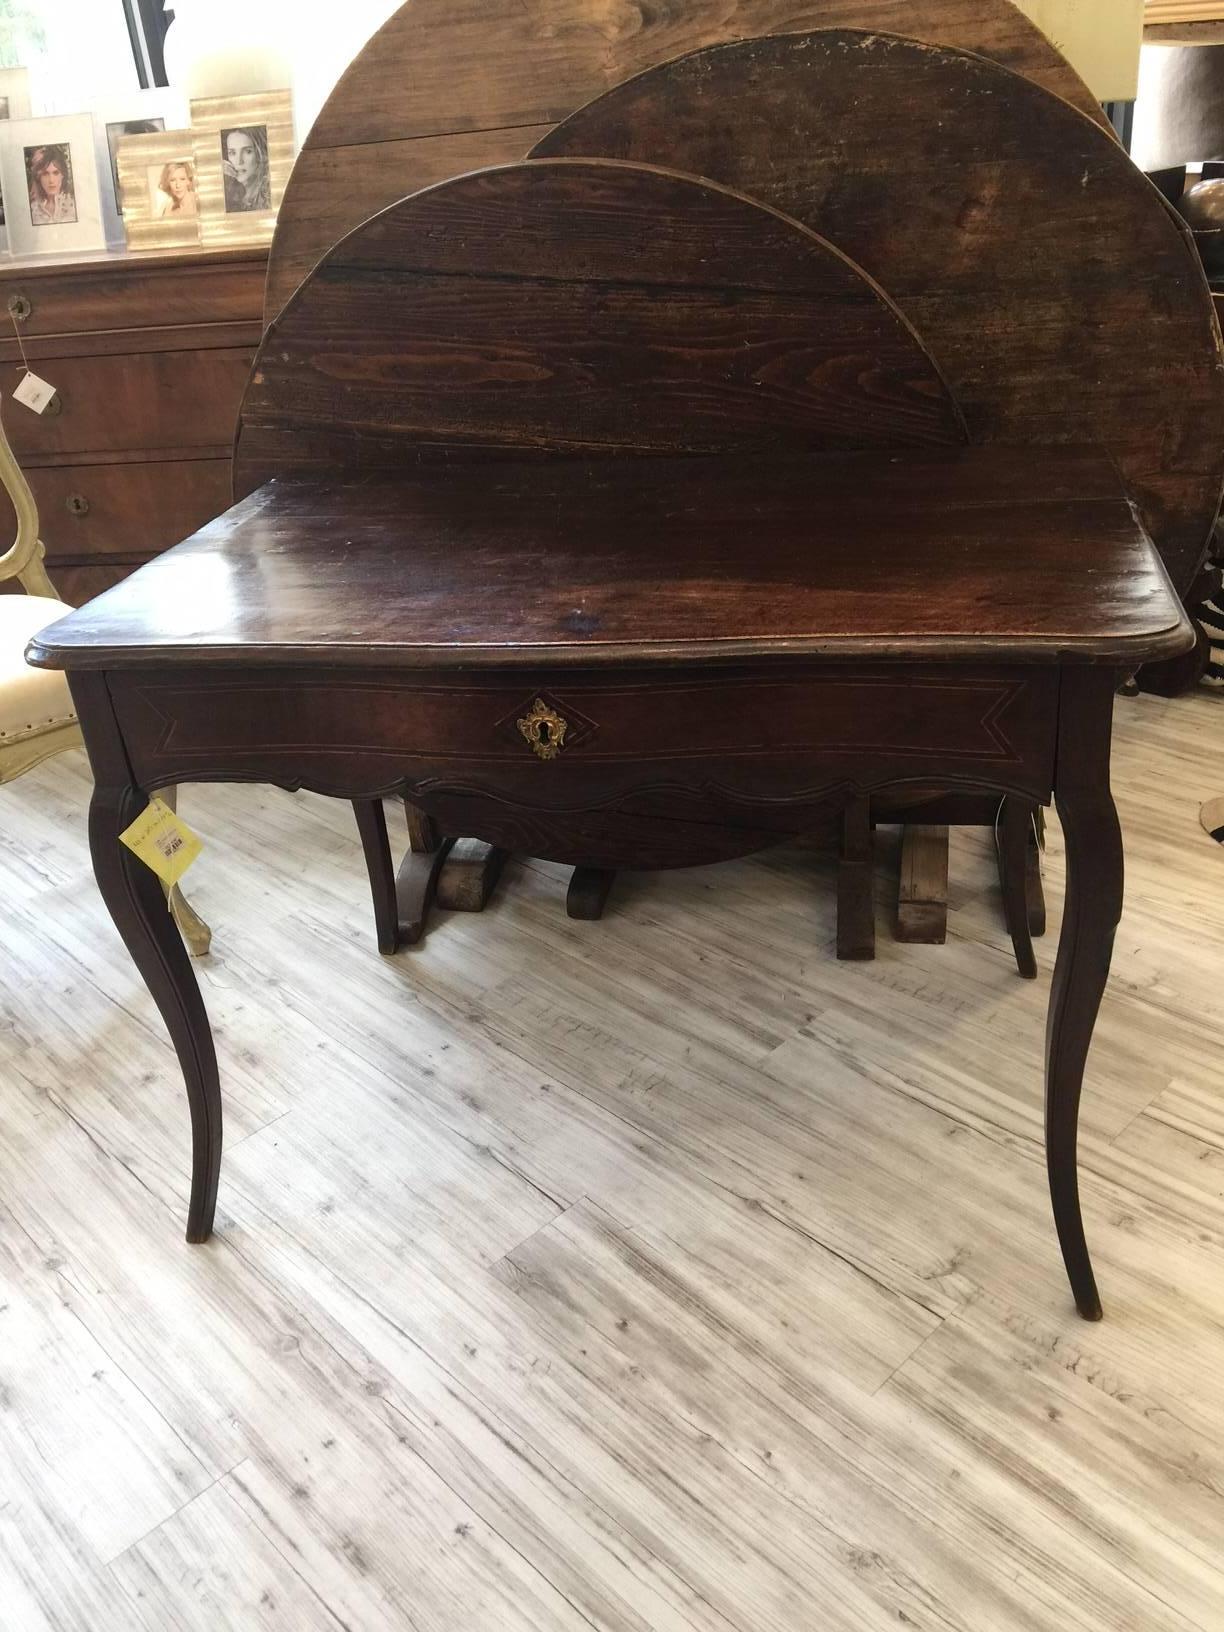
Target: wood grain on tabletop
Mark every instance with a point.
(1006, 226)
(451, 85)
(584, 306)
(929, 554)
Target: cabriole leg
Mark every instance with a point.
(1090, 917)
(134, 898)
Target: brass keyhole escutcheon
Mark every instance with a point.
(20, 308)
(544, 729)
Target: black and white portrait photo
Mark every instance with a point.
(116, 130)
(52, 195)
(244, 166)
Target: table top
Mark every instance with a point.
(1010, 555)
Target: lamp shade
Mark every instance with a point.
(1179, 117)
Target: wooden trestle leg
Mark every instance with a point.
(402, 899)
(588, 892)
(1014, 833)
(855, 897)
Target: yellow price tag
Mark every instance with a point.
(162, 841)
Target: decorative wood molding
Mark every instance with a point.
(1158, 12)
(1184, 33)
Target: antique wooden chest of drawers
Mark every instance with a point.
(150, 354)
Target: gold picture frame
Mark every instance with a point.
(159, 189)
(243, 154)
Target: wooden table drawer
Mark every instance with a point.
(126, 509)
(757, 749)
(134, 403)
(134, 293)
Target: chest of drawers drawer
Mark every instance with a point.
(130, 292)
(148, 402)
(123, 511)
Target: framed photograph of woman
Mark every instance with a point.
(140, 113)
(49, 175)
(243, 153)
(157, 182)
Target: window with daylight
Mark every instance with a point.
(74, 49)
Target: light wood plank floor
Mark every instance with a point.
(654, 1274)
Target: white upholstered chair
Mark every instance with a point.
(36, 714)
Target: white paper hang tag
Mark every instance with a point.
(34, 393)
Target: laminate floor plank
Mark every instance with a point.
(1141, 1490)
(74, 1422)
(211, 1566)
(935, 1498)
(656, 1275)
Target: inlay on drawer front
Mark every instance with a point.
(761, 736)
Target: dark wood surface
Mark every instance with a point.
(1054, 288)
(106, 512)
(137, 904)
(1015, 843)
(447, 86)
(934, 555)
(673, 814)
(653, 656)
(120, 290)
(855, 896)
(152, 401)
(659, 766)
(101, 518)
(581, 305)
(150, 355)
(1091, 912)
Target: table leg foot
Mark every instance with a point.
(1013, 834)
(416, 884)
(470, 876)
(135, 901)
(855, 895)
(922, 894)
(1034, 886)
(587, 895)
(403, 898)
(372, 826)
(1090, 918)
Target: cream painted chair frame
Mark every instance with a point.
(23, 560)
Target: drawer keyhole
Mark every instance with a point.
(543, 730)
(77, 504)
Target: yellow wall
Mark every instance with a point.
(1101, 38)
